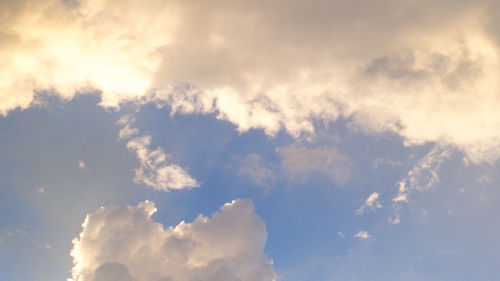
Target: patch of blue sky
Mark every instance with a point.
(311, 221)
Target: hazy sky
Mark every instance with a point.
(249, 140)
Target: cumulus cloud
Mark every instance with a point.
(371, 203)
(123, 243)
(416, 68)
(299, 162)
(156, 169)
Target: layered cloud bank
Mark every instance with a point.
(424, 70)
(123, 243)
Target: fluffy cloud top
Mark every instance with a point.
(123, 243)
(426, 70)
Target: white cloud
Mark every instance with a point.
(341, 234)
(127, 131)
(424, 175)
(414, 68)
(401, 197)
(299, 162)
(371, 203)
(123, 243)
(156, 169)
(362, 235)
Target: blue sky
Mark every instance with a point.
(249, 140)
(445, 233)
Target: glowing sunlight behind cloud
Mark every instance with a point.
(366, 133)
(400, 67)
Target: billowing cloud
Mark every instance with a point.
(416, 68)
(371, 203)
(123, 243)
(156, 169)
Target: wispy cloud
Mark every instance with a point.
(299, 162)
(371, 203)
(395, 220)
(156, 169)
(423, 176)
(253, 167)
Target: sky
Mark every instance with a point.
(249, 140)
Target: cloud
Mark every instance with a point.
(253, 167)
(123, 243)
(362, 235)
(299, 162)
(156, 169)
(413, 68)
(81, 164)
(401, 197)
(395, 220)
(424, 174)
(371, 203)
(127, 131)
(380, 161)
